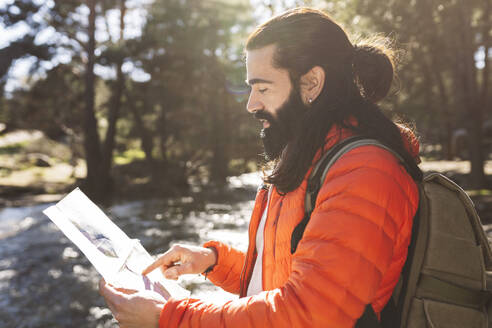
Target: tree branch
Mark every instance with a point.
(487, 27)
(73, 36)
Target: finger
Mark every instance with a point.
(177, 270)
(102, 282)
(165, 268)
(103, 287)
(167, 259)
(125, 291)
(111, 306)
(111, 294)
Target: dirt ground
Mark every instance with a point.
(35, 169)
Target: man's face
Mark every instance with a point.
(272, 100)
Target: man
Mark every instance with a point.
(311, 88)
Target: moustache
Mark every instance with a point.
(263, 115)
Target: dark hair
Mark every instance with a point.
(357, 77)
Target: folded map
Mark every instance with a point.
(119, 259)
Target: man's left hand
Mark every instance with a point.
(133, 309)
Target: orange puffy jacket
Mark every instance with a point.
(351, 253)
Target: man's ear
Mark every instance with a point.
(311, 84)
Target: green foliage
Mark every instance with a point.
(11, 149)
(185, 110)
(52, 105)
(13, 14)
(187, 117)
(129, 156)
(441, 84)
(188, 48)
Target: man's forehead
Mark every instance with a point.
(261, 54)
(259, 65)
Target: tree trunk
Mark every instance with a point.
(436, 68)
(476, 151)
(471, 98)
(487, 45)
(92, 144)
(162, 132)
(160, 171)
(218, 169)
(147, 142)
(114, 112)
(445, 112)
(219, 166)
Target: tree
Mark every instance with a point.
(80, 40)
(25, 46)
(92, 142)
(185, 112)
(117, 55)
(443, 39)
(12, 15)
(186, 47)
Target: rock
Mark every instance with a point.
(40, 160)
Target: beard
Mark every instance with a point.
(283, 128)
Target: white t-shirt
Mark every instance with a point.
(256, 283)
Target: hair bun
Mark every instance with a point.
(374, 68)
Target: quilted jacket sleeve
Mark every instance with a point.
(226, 272)
(363, 215)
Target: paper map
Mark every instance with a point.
(119, 259)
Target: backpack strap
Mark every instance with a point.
(315, 181)
(444, 291)
(318, 175)
(342, 148)
(394, 313)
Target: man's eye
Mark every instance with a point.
(262, 90)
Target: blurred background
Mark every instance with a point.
(141, 103)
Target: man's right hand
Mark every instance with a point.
(183, 259)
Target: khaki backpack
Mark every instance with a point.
(447, 279)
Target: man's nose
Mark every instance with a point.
(254, 104)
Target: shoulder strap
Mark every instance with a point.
(315, 181)
(313, 186)
(318, 175)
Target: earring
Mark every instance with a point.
(310, 100)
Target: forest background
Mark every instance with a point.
(142, 97)
(141, 103)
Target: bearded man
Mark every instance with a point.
(311, 88)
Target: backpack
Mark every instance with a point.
(447, 278)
